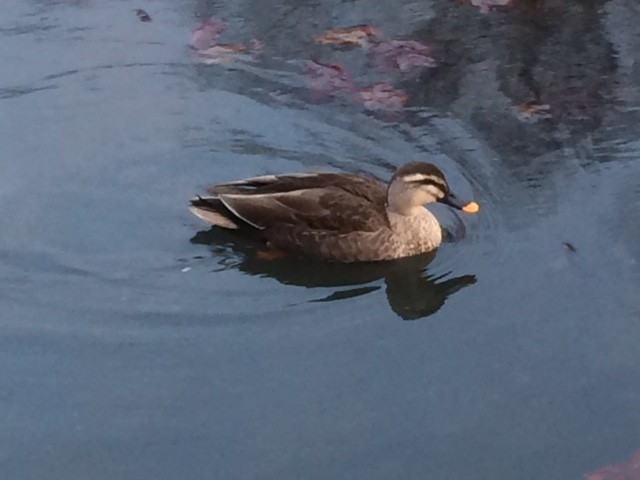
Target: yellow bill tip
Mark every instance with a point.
(471, 207)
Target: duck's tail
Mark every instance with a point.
(213, 211)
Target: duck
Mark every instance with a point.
(338, 217)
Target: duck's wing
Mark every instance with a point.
(295, 182)
(317, 201)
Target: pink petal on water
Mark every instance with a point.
(381, 96)
(402, 55)
(221, 53)
(621, 471)
(353, 36)
(206, 34)
(325, 77)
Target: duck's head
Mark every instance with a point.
(415, 184)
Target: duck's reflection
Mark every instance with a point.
(411, 292)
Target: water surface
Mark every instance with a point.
(138, 344)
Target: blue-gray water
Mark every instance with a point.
(135, 343)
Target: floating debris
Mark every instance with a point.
(486, 6)
(142, 15)
(357, 35)
(206, 34)
(403, 55)
(381, 96)
(327, 77)
(529, 110)
(222, 53)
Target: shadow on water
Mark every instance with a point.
(412, 293)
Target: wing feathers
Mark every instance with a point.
(327, 202)
(264, 210)
(228, 201)
(212, 211)
(271, 184)
(213, 218)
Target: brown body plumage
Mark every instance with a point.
(335, 216)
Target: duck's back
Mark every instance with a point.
(321, 201)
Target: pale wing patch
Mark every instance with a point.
(257, 197)
(213, 218)
(260, 179)
(267, 179)
(249, 186)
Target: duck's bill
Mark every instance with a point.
(470, 207)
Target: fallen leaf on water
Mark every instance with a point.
(206, 34)
(402, 55)
(327, 77)
(622, 471)
(222, 53)
(531, 109)
(142, 15)
(381, 96)
(354, 36)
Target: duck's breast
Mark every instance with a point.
(415, 234)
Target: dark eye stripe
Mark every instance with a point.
(423, 179)
(438, 185)
(427, 181)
